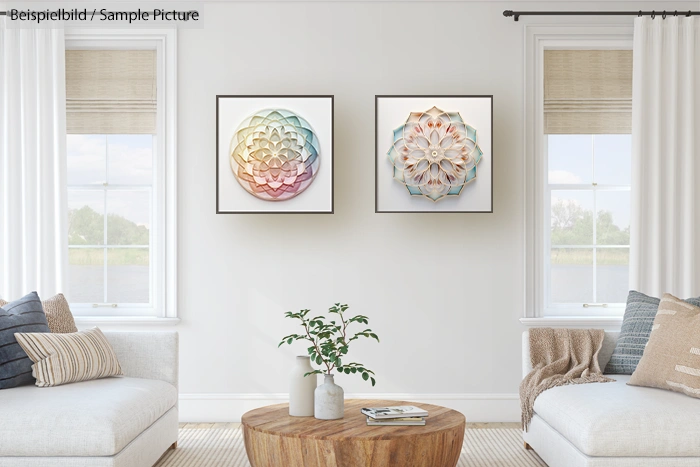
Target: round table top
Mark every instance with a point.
(275, 419)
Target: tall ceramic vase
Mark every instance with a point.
(330, 400)
(301, 389)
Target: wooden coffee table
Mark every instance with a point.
(274, 439)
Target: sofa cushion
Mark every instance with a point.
(636, 326)
(672, 357)
(90, 418)
(615, 420)
(23, 315)
(69, 357)
(58, 313)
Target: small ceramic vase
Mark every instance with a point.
(329, 401)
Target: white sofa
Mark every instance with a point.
(125, 421)
(613, 424)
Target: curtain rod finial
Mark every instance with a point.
(509, 13)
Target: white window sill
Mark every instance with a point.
(85, 321)
(609, 323)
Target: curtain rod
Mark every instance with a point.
(517, 14)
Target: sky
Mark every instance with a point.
(124, 160)
(584, 159)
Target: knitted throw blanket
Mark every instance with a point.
(560, 357)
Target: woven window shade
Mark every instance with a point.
(111, 91)
(588, 91)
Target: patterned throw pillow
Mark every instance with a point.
(57, 312)
(634, 335)
(672, 357)
(68, 358)
(23, 315)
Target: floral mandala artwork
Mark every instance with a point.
(435, 154)
(275, 154)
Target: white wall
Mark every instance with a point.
(443, 291)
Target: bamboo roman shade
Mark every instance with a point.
(587, 91)
(111, 91)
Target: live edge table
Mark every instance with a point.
(274, 439)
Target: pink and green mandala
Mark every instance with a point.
(275, 154)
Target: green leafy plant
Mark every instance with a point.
(331, 340)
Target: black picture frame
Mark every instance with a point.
(377, 97)
(277, 96)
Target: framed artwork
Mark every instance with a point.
(274, 154)
(433, 154)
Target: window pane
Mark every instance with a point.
(86, 159)
(86, 275)
(86, 217)
(613, 159)
(612, 275)
(130, 159)
(572, 217)
(128, 218)
(570, 159)
(572, 275)
(128, 278)
(613, 219)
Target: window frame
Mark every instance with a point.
(539, 38)
(163, 247)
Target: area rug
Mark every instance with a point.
(223, 447)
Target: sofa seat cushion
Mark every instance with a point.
(617, 420)
(90, 418)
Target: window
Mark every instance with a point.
(120, 173)
(588, 196)
(577, 174)
(587, 146)
(110, 219)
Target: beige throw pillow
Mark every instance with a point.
(68, 358)
(671, 359)
(57, 312)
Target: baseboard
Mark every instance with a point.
(229, 407)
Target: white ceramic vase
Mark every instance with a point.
(301, 388)
(329, 400)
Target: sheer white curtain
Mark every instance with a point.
(33, 205)
(665, 230)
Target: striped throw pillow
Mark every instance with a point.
(57, 312)
(671, 359)
(23, 315)
(69, 358)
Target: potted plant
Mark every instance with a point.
(330, 342)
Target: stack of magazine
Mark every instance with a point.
(403, 415)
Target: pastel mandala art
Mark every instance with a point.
(435, 154)
(275, 154)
